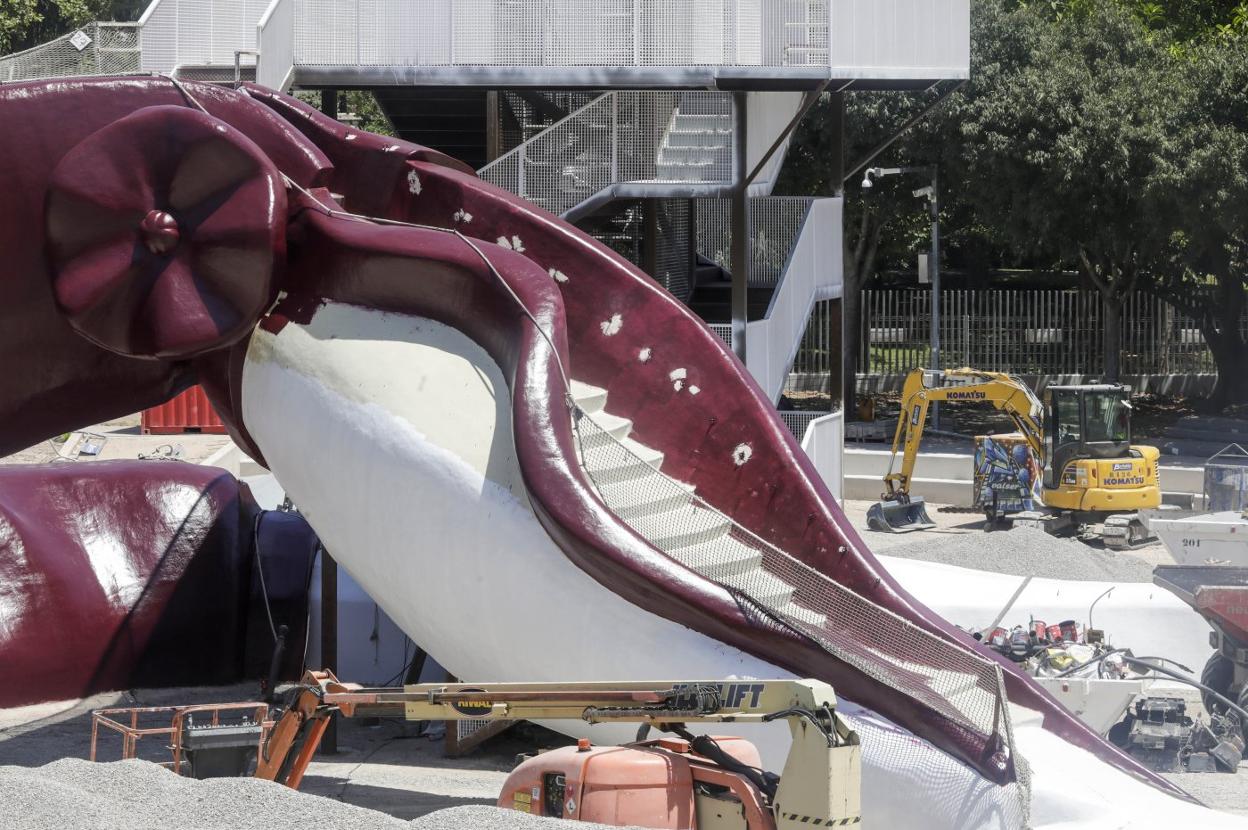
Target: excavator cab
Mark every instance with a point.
(1093, 470)
(1085, 422)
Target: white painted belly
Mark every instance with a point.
(393, 436)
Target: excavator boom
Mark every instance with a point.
(897, 511)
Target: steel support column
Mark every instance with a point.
(739, 226)
(329, 568)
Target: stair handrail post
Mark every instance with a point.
(450, 33)
(521, 163)
(636, 33)
(615, 137)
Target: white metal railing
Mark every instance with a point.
(95, 49)
(812, 271)
(621, 137)
(177, 33)
(775, 225)
(543, 33)
(275, 41)
(824, 443)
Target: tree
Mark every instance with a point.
(1207, 274)
(882, 227)
(27, 23)
(1064, 135)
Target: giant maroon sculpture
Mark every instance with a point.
(148, 228)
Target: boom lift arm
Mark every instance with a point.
(820, 779)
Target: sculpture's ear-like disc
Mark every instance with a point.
(164, 230)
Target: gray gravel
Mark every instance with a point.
(73, 794)
(1025, 551)
(493, 818)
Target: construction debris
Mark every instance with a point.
(1162, 736)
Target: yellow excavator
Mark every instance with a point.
(1093, 476)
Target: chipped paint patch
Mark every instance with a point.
(462, 215)
(557, 275)
(677, 377)
(413, 182)
(504, 242)
(741, 454)
(612, 327)
(693, 390)
(645, 354)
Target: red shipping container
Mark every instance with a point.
(188, 412)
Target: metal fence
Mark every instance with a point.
(95, 49)
(775, 223)
(620, 137)
(1045, 332)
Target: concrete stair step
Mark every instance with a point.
(720, 558)
(764, 588)
(681, 528)
(797, 612)
(609, 428)
(589, 398)
(629, 501)
(612, 465)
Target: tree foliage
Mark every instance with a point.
(27, 23)
(1104, 136)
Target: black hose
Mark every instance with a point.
(1243, 714)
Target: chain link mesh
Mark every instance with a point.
(965, 689)
(95, 49)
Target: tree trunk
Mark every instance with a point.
(1230, 351)
(859, 264)
(1111, 332)
(851, 337)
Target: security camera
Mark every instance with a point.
(923, 192)
(867, 177)
(866, 181)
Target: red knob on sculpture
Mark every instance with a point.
(160, 231)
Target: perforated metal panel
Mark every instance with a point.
(635, 137)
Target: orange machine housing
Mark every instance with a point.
(649, 784)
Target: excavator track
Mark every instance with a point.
(1125, 531)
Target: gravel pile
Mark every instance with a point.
(1026, 551)
(493, 818)
(73, 794)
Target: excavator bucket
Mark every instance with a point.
(899, 516)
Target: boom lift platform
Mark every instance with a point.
(1081, 436)
(683, 782)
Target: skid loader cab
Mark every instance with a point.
(1091, 463)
